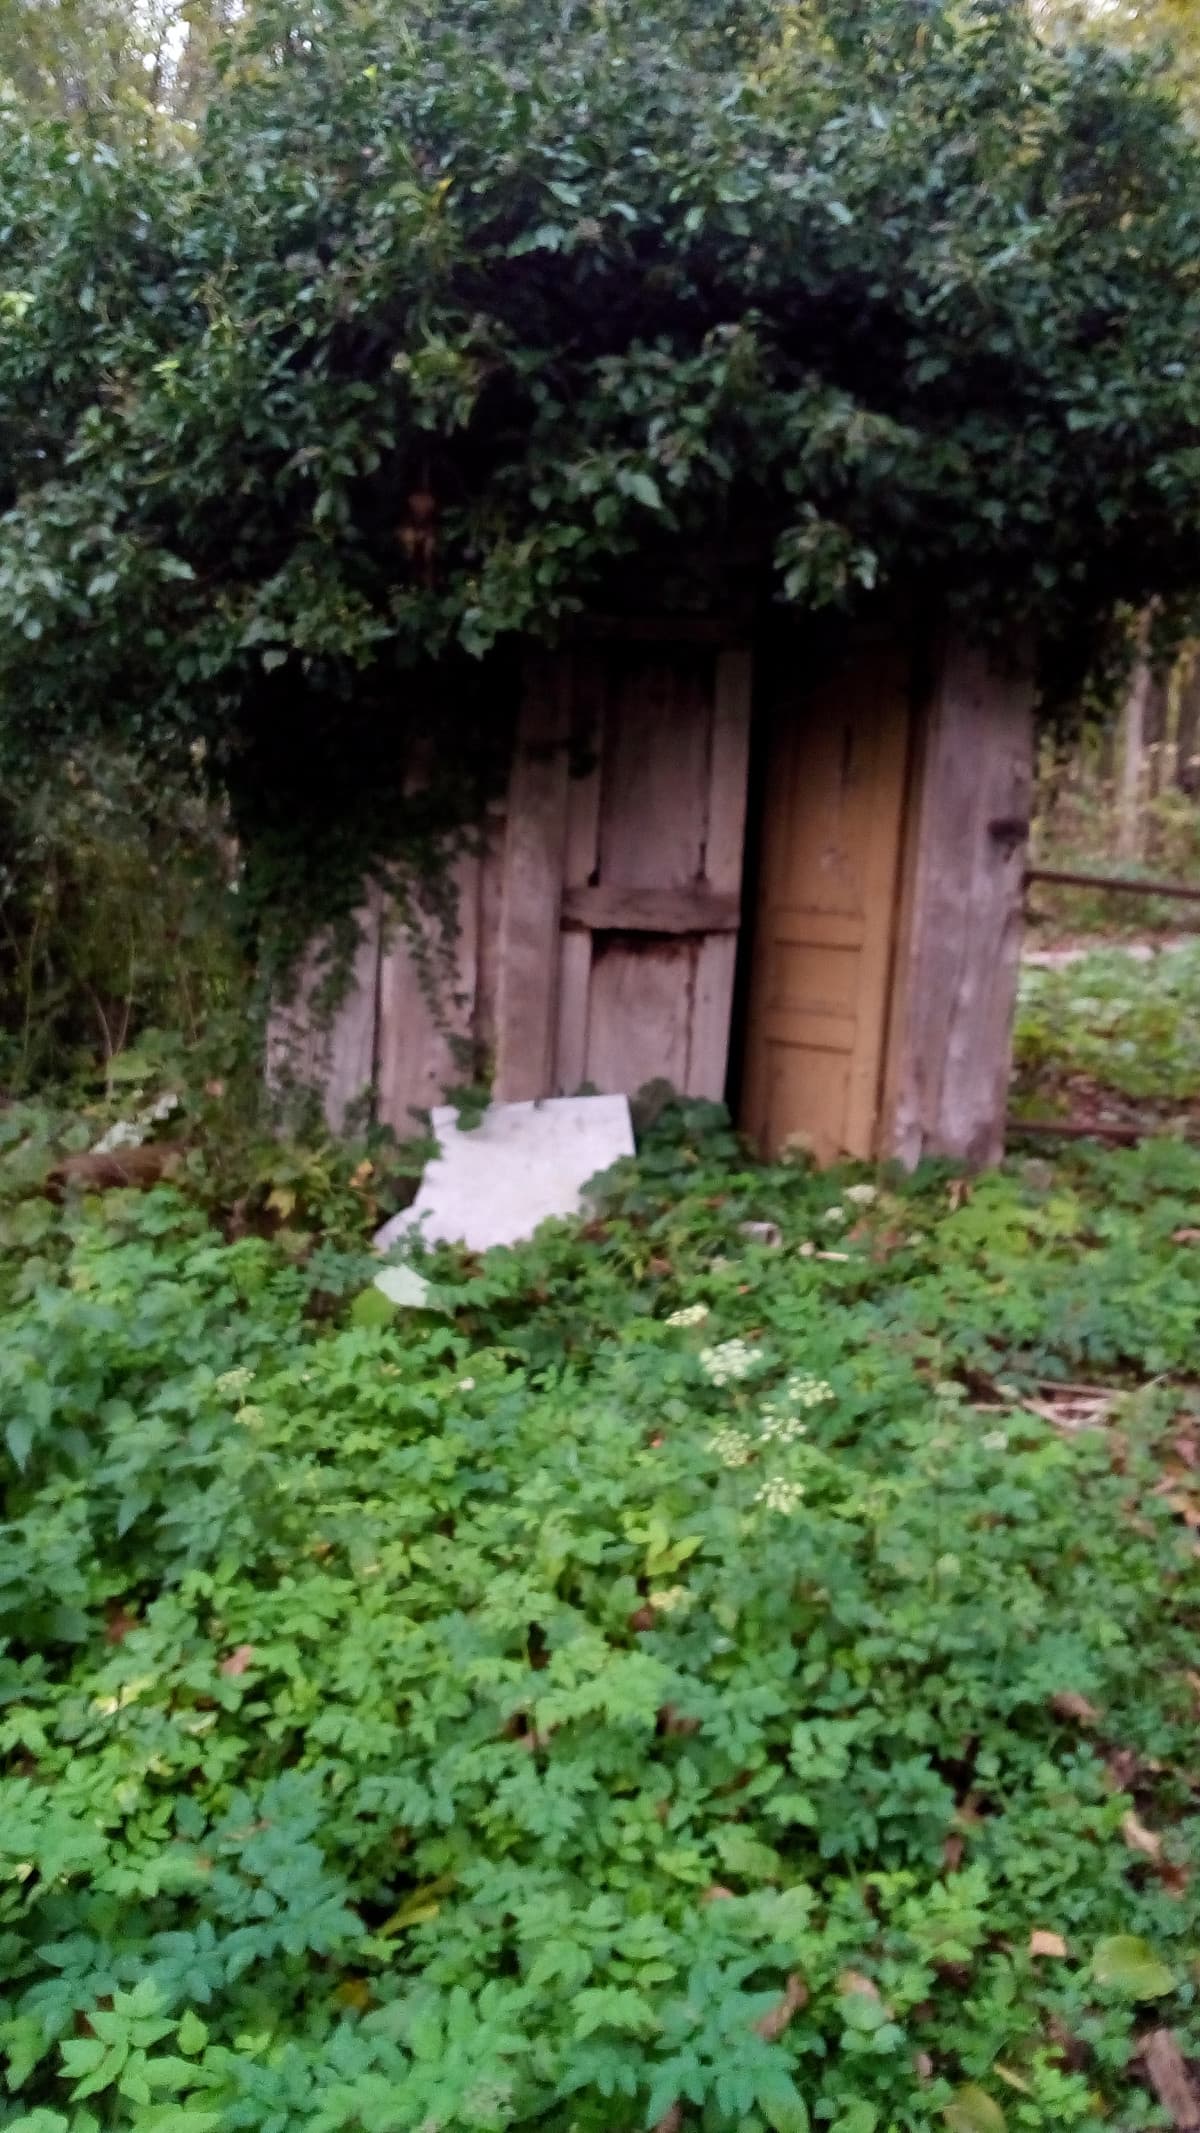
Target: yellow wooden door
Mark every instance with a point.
(829, 882)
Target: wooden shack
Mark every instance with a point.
(785, 877)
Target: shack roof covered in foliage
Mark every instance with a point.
(444, 310)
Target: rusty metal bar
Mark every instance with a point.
(1123, 884)
(1070, 1130)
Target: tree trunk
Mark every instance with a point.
(1133, 749)
(1187, 738)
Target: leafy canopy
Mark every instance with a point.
(444, 314)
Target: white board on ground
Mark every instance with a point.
(494, 1183)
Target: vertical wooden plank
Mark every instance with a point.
(491, 893)
(582, 855)
(639, 1022)
(656, 768)
(331, 1054)
(528, 962)
(958, 962)
(729, 760)
(427, 1003)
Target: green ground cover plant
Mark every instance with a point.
(672, 1683)
(1109, 1028)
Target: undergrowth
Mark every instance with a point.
(1109, 1027)
(668, 1684)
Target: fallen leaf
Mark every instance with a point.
(972, 2110)
(1129, 1966)
(716, 1894)
(1043, 1943)
(1185, 1236)
(418, 1908)
(1070, 1704)
(1166, 2071)
(1123, 1766)
(353, 1992)
(1139, 1838)
(776, 2019)
(643, 1618)
(672, 1720)
(852, 1981)
(1014, 2081)
(952, 1854)
(671, 2120)
(118, 1626)
(238, 1660)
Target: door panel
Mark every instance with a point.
(820, 986)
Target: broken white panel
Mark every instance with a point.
(523, 1164)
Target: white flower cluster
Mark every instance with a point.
(781, 1429)
(729, 1362)
(233, 1381)
(779, 1494)
(670, 1600)
(689, 1315)
(732, 1447)
(861, 1195)
(782, 1418)
(995, 1441)
(804, 1390)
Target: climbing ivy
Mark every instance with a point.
(444, 317)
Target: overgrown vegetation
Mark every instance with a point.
(119, 944)
(1110, 1039)
(670, 1683)
(444, 319)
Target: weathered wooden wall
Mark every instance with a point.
(599, 906)
(597, 917)
(959, 926)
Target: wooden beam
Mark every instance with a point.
(959, 947)
(609, 908)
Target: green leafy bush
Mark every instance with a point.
(643, 1689)
(446, 322)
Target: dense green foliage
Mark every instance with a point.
(446, 314)
(1113, 1028)
(544, 1712)
(117, 926)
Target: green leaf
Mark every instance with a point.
(1128, 1965)
(192, 2035)
(642, 487)
(781, 2104)
(372, 1309)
